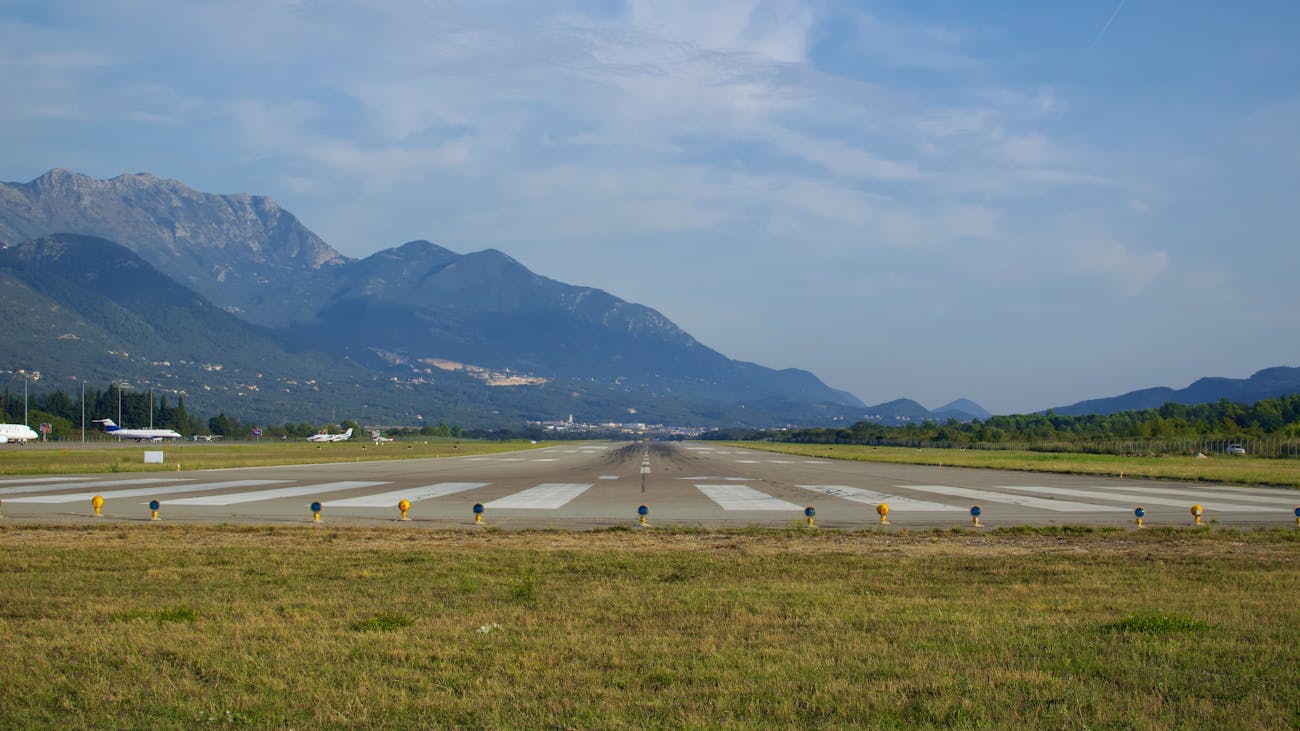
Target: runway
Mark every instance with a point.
(588, 486)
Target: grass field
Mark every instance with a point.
(185, 627)
(101, 457)
(1221, 468)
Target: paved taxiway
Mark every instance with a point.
(585, 486)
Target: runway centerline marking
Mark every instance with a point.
(543, 497)
(413, 494)
(251, 497)
(744, 497)
(140, 491)
(895, 502)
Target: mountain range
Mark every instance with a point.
(1265, 384)
(230, 300)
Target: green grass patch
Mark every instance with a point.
(382, 622)
(160, 616)
(111, 457)
(363, 628)
(1158, 624)
(1219, 468)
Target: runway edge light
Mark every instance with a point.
(642, 511)
(478, 513)
(153, 509)
(975, 516)
(315, 511)
(404, 505)
(1197, 512)
(1297, 517)
(810, 511)
(883, 511)
(1139, 513)
(97, 503)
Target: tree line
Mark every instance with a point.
(127, 407)
(1172, 427)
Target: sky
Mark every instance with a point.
(1023, 203)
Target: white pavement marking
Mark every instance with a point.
(414, 494)
(607, 477)
(1059, 506)
(250, 497)
(543, 497)
(511, 459)
(895, 502)
(1279, 498)
(1141, 499)
(29, 480)
(547, 459)
(781, 461)
(139, 491)
(104, 483)
(748, 461)
(743, 497)
(710, 477)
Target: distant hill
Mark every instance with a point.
(962, 410)
(1266, 384)
(478, 333)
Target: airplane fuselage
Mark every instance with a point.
(19, 433)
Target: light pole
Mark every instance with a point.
(120, 386)
(33, 376)
(83, 412)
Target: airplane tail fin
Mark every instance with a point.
(348, 434)
(108, 424)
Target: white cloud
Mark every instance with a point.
(1132, 271)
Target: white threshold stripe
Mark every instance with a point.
(31, 480)
(96, 484)
(1280, 497)
(895, 502)
(1139, 499)
(543, 497)
(1058, 506)
(744, 497)
(249, 497)
(747, 461)
(414, 494)
(141, 491)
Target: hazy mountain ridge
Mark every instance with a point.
(399, 306)
(1264, 384)
(243, 252)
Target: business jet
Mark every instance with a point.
(140, 435)
(16, 433)
(324, 437)
(378, 437)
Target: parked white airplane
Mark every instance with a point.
(140, 435)
(323, 437)
(16, 433)
(379, 437)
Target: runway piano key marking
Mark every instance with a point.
(1058, 506)
(895, 502)
(250, 497)
(141, 491)
(90, 483)
(1278, 498)
(743, 497)
(414, 494)
(543, 497)
(1140, 499)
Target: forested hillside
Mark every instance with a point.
(1272, 425)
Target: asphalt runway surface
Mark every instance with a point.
(586, 486)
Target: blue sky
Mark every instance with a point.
(1026, 204)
